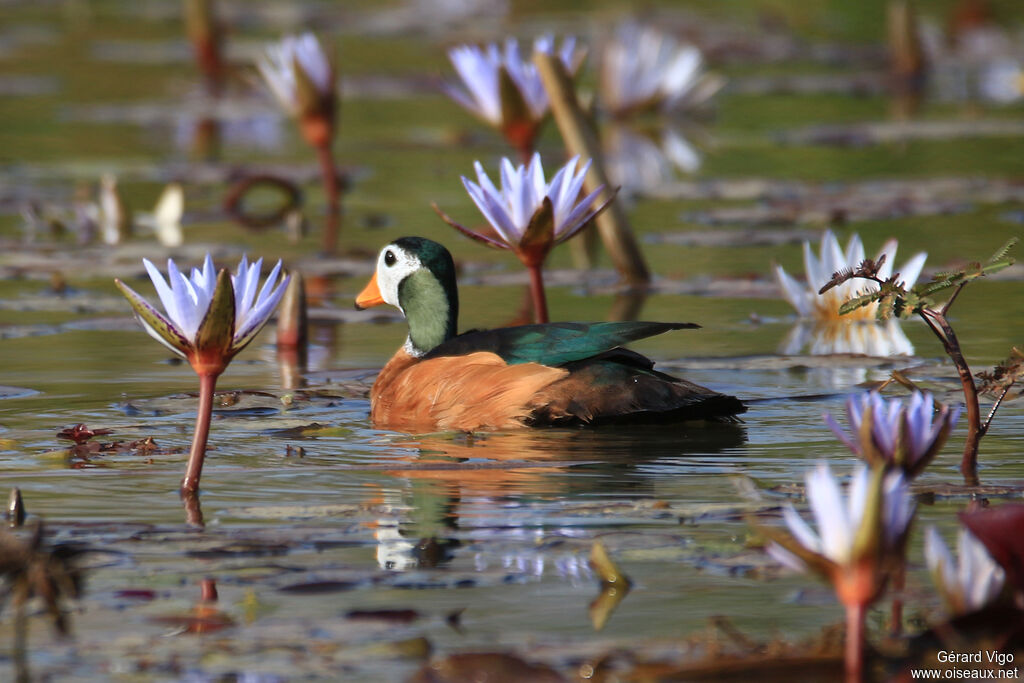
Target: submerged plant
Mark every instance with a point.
(530, 215)
(893, 434)
(209, 317)
(860, 541)
(970, 583)
(302, 77)
(890, 296)
(502, 88)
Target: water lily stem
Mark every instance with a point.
(525, 151)
(190, 484)
(540, 302)
(330, 176)
(855, 614)
(899, 582)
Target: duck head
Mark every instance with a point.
(417, 276)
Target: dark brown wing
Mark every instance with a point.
(621, 387)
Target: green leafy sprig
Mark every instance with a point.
(894, 299)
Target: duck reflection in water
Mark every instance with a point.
(467, 496)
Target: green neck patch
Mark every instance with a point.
(430, 308)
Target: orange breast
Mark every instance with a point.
(475, 392)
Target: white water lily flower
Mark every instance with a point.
(644, 67)
(805, 298)
(209, 317)
(480, 69)
(518, 212)
(839, 521)
(893, 433)
(967, 585)
(279, 65)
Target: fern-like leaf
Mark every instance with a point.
(861, 301)
(1003, 251)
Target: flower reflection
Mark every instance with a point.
(231, 129)
(643, 161)
(1002, 81)
(857, 337)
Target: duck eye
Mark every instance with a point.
(389, 258)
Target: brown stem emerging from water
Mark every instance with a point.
(899, 582)
(190, 484)
(855, 614)
(540, 302)
(208, 590)
(330, 178)
(193, 510)
(944, 331)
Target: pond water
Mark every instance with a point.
(473, 542)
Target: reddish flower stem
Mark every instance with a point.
(190, 484)
(193, 510)
(855, 614)
(330, 178)
(938, 324)
(899, 582)
(525, 152)
(208, 590)
(540, 302)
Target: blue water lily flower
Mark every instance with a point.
(859, 545)
(529, 215)
(208, 318)
(896, 434)
(872, 521)
(503, 88)
(195, 308)
(299, 73)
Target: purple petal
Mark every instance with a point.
(841, 433)
(493, 212)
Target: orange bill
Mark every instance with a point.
(370, 296)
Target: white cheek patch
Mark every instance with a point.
(389, 277)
